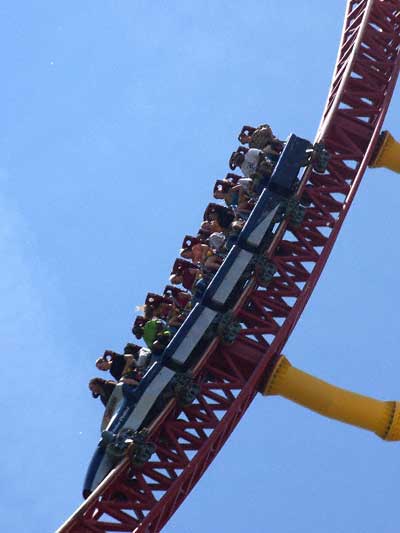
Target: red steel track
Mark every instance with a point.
(141, 500)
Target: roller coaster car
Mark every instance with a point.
(123, 414)
(275, 202)
(191, 337)
(210, 318)
(166, 378)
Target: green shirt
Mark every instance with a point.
(150, 331)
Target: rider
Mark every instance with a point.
(154, 332)
(263, 139)
(237, 194)
(200, 253)
(181, 306)
(102, 389)
(157, 306)
(251, 161)
(117, 364)
(185, 273)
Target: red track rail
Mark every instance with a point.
(142, 500)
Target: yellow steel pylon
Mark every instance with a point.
(387, 153)
(383, 418)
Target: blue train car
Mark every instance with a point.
(265, 217)
(129, 413)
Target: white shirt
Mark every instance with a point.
(245, 183)
(143, 357)
(216, 240)
(251, 158)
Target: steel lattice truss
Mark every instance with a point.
(188, 438)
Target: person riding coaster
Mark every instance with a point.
(263, 139)
(256, 137)
(102, 388)
(200, 253)
(254, 164)
(218, 218)
(227, 191)
(117, 364)
(181, 306)
(157, 306)
(185, 273)
(154, 332)
(191, 277)
(180, 299)
(239, 196)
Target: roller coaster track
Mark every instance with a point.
(187, 439)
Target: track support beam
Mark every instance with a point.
(387, 153)
(383, 418)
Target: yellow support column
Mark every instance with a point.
(383, 418)
(387, 153)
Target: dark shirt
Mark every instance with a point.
(117, 366)
(108, 388)
(225, 216)
(133, 373)
(188, 278)
(182, 299)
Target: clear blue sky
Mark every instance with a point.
(117, 118)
